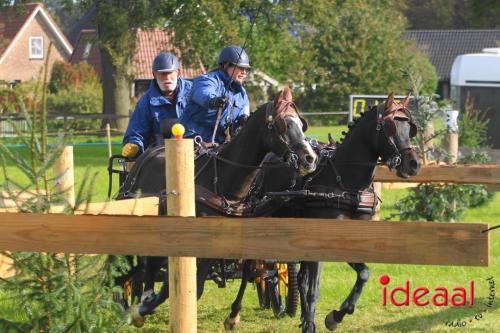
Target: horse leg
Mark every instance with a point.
(203, 268)
(309, 277)
(335, 317)
(303, 278)
(153, 266)
(123, 279)
(234, 317)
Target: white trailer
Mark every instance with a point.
(478, 75)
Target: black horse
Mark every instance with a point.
(340, 188)
(223, 174)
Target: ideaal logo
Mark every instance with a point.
(439, 296)
(423, 296)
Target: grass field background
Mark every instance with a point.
(337, 278)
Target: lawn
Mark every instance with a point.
(337, 278)
(370, 315)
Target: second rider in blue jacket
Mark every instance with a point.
(220, 88)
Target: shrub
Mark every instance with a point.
(65, 75)
(74, 89)
(431, 202)
(81, 99)
(472, 126)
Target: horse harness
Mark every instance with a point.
(215, 199)
(363, 201)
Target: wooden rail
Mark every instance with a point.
(139, 207)
(284, 239)
(462, 173)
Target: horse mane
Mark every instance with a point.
(353, 125)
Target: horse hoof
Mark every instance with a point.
(231, 323)
(135, 317)
(308, 327)
(330, 322)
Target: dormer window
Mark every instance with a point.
(36, 47)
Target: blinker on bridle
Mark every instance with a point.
(288, 155)
(386, 124)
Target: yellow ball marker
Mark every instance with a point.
(178, 131)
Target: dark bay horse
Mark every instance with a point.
(225, 173)
(334, 190)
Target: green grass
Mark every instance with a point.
(337, 278)
(370, 316)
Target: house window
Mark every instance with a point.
(36, 47)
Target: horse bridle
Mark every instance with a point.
(385, 123)
(287, 154)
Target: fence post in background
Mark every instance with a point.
(108, 138)
(64, 174)
(179, 170)
(451, 138)
(377, 188)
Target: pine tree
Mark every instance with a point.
(53, 292)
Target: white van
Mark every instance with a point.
(478, 75)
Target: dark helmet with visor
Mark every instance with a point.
(234, 55)
(165, 62)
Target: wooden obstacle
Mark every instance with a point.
(431, 243)
(283, 239)
(138, 207)
(459, 173)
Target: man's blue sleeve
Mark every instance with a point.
(140, 126)
(203, 90)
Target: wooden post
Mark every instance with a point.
(108, 138)
(65, 175)
(451, 146)
(377, 188)
(451, 138)
(179, 169)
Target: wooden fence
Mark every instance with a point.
(285, 239)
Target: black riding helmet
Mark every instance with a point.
(234, 55)
(165, 62)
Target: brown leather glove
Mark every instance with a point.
(130, 150)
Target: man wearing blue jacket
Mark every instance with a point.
(165, 99)
(220, 89)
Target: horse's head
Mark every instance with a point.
(395, 123)
(285, 136)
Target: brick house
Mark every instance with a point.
(148, 44)
(26, 31)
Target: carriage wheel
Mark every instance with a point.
(262, 294)
(283, 290)
(292, 299)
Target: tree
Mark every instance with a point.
(451, 14)
(52, 292)
(356, 47)
(201, 29)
